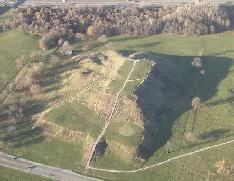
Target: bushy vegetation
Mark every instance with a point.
(57, 23)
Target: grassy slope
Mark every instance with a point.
(139, 73)
(74, 116)
(122, 136)
(48, 151)
(219, 116)
(116, 85)
(13, 44)
(214, 120)
(7, 174)
(197, 167)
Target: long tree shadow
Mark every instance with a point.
(194, 120)
(168, 91)
(4, 9)
(214, 134)
(18, 131)
(221, 101)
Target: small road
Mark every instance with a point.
(40, 169)
(91, 153)
(118, 3)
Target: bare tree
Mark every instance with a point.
(54, 60)
(109, 46)
(196, 103)
(20, 62)
(60, 42)
(87, 46)
(102, 39)
(202, 72)
(24, 80)
(91, 31)
(24, 100)
(35, 89)
(37, 69)
(197, 62)
(66, 48)
(37, 56)
(223, 167)
(80, 36)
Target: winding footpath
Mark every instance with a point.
(166, 161)
(109, 118)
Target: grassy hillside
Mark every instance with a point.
(7, 174)
(197, 167)
(165, 100)
(77, 117)
(213, 121)
(14, 44)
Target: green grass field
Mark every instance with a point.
(14, 44)
(197, 167)
(121, 137)
(76, 117)
(173, 115)
(7, 174)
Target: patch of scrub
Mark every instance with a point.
(91, 89)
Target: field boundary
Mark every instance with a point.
(166, 161)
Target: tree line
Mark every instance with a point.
(56, 23)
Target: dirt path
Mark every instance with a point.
(109, 118)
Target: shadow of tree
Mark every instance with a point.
(51, 80)
(221, 101)
(145, 45)
(168, 91)
(4, 9)
(115, 39)
(19, 3)
(24, 134)
(214, 134)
